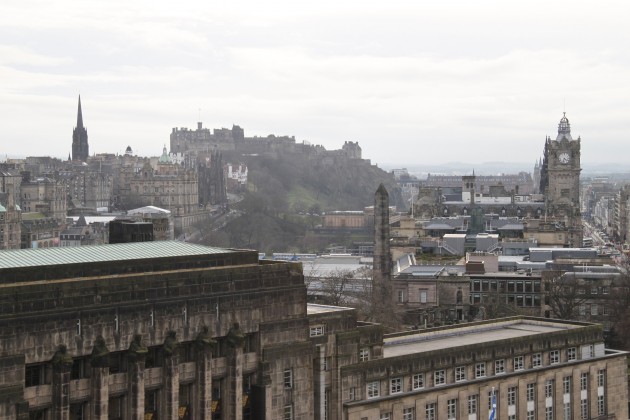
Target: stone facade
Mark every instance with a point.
(44, 195)
(206, 333)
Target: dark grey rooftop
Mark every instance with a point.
(102, 253)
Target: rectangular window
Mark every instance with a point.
(519, 363)
(571, 354)
(317, 330)
(566, 385)
(423, 296)
(584, 381)
(536, 360)
(373, 389)
(460, 373)
(395, 385)
(364, 354)
(531, 415)
(566, 411)
(288, 412)
(549, 388)
(430, 411)
(418, 381)
(34, 375)
(480, 370)
(78, 411)
(116, 408)
(409, 413)
(385, 416)
(584, 409)
(451, 409)
(352, 394)
(601, 405)
(439, 377)
(511, 396)
(499, 367)
(549, 413)
(288, 378)
(594, 309)
(601, 377)
(554, 356)
(531, 392)
(401, 296)
(472, 404)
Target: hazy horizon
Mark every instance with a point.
(435, 82)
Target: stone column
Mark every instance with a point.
(170, 400)
(234, 381)
(62, 364)
(202, 398)
(137, 354)
(99, 380)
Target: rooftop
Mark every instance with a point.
(444, 339)
(102, 253)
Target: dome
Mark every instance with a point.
(128, 151)
(164, 158)
(564, 128)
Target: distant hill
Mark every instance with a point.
(288, 192)
(298, 182)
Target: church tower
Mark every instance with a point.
(562, 193)
(80, 147)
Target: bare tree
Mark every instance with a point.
(335, 287)
(619, 310)
(564, 294)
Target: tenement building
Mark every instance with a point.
(169, 330)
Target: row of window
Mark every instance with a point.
(512, 398)
(460, 373)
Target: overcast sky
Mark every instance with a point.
(413, 82)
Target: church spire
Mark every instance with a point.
(80, 147)
(79, 115)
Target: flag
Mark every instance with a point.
(493, 410)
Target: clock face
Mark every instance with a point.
(564, 158)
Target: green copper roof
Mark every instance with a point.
(102, 253)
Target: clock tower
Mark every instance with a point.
(562, 192)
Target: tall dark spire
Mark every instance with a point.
(79, 115)
(80, 147)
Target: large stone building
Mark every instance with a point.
(152, 330)
(44, 195)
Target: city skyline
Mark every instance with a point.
(422, 84)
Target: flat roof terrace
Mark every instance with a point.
(443, 339)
